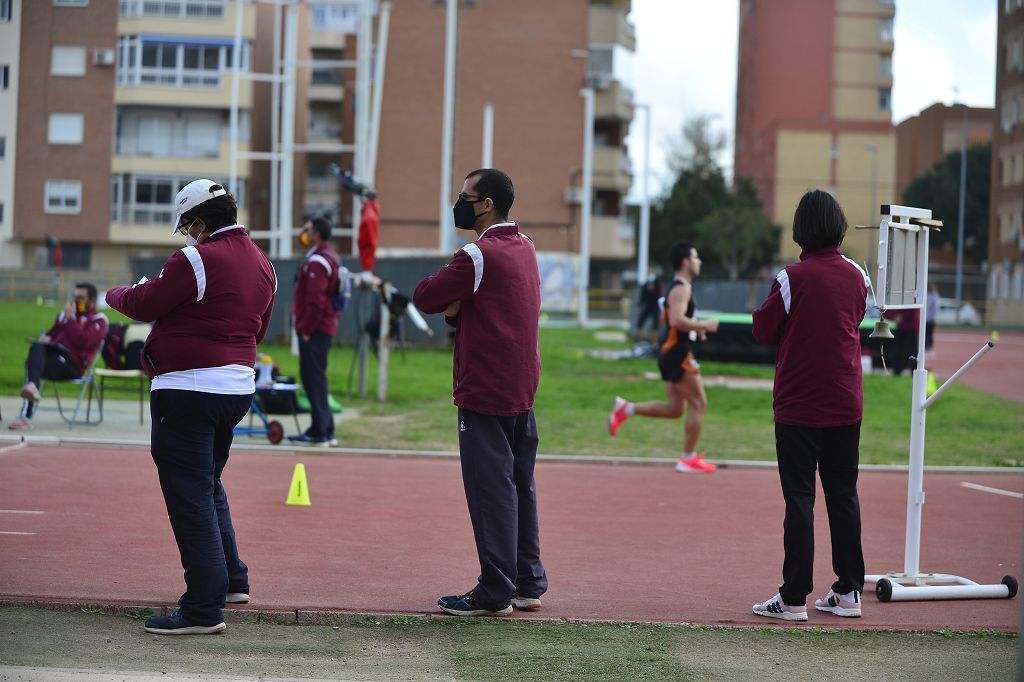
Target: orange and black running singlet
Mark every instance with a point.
(676, 354)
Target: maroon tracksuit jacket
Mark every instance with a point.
(80, 336)
(814, 313)
(210, 305)
(318, 277)
(496, 367)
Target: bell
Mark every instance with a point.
(882, 330)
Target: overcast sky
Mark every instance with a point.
(685, 65)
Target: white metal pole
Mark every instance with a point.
(645, 207)
(486, 160)
(960, 215)
(378, 92)
(586, 206)
(236, 82)
(915, 477)
(291, 49)
(445, 223)
(873, 211)
(364, 49)
(384, 343)
(275, 135)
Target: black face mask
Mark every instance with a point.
(465, 216)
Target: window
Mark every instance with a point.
(1, 213)
(3, 147)
(63, 196)
(159, 61)
(67, 60)
(70, 3)
(886, 32)
(5, 76)
(149, 199)
(187, 9)
(65, 129)
(884, 99)
(885, 66)
(5, 10)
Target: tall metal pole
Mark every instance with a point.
(586, 207)
(645, 207)
(873, 213)
(360, 155)
(488, 143)
(275, 134)
(960, 213)
(383, 27)
(291, 50)
(445, 222)
(236, 83)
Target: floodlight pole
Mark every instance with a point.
(644, 242)
(586, 206)
(445, 219)
(960, 216)
(488, 142)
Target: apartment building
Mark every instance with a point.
(119, 104)
(813, 108)
(925, 139)
(10, 41)
(528, 60)
(1006, 212)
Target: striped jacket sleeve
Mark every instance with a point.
(182, 280)
(770, 318)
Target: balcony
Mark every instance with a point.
(611, 237)
(184, 17)
(607, 25)
(190, 162)
(615, 101)
(612, 169)
(168, 89)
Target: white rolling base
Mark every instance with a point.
(891, 587)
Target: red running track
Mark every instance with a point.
(1000, 372)
(388, 535)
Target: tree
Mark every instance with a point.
(938, 188)
(728, 227)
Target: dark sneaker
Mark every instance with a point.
(467, 605)
(176, 624)
(303, 439)
(526, 603)
(236, 598)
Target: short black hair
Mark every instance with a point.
(89, 288)
(497, 186)
(819, 221)
(322, 226)
(680, 252)
(215, 213)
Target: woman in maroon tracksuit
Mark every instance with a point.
(210, 306)
(813, 313)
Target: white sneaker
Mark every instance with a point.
(845, 605)
(236, 598)
(526, 603)
(776, 608)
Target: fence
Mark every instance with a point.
(55, 285)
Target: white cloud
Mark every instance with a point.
(922, 74)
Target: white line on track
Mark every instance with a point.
(13, 532)
(994, 491)
(16, 446)
(20, 511)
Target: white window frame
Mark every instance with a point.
(70, 3)
(65, 67)
(67, 192)
(61, 122)
(131, 70)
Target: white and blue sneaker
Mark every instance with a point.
(776, 608)
(845, 605)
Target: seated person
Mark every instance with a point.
(65, 351)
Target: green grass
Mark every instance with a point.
(965, 427)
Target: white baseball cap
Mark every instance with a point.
(193, 194)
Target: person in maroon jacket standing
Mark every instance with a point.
(210, 306)
(813, 313)
(316, 321)
(490, 293)
(65, 351)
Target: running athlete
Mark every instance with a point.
(679, 368)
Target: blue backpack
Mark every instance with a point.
(343, 292)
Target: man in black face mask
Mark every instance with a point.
(490, 293)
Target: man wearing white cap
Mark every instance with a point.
(210, 306)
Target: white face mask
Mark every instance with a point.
(190, 240)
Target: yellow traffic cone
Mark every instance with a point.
(995, 335)
(298, 493)
(932, 385)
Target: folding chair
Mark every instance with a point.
(135, 332)
(88, 383)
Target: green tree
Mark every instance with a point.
(938, 188)
(728, 226)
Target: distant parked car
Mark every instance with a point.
(953, 312)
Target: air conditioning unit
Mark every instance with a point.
(104, 57)
(573, 195)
